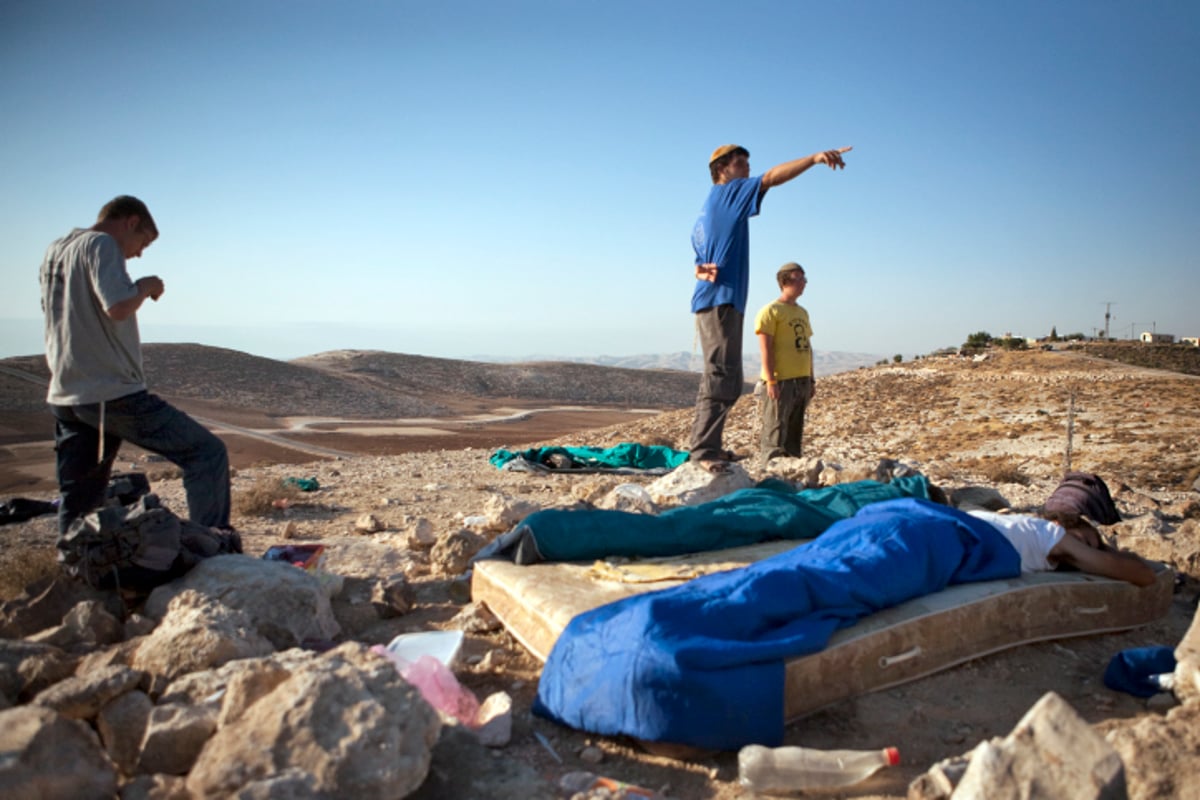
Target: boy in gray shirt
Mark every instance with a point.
(97, 387)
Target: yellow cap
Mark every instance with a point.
(725, 150)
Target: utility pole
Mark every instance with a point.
(1108, 304)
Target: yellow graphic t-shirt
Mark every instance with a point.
(790, 330)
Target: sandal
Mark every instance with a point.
(714, 465)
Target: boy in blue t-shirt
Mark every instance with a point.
(721, 239)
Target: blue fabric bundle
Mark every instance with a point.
(1131, 670)
(703, 663)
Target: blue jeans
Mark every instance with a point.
(151, 423)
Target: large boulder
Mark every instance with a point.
(82, 696)
(691, 484)
(26, 668)
(286, 605)
(1052, 753)
(196, 633)
(44, 754)
(343, 725)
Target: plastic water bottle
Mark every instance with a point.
(780, 770)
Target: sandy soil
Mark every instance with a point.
(1000, 422)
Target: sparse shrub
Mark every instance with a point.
(1004, 471)
(897, 358)
(261, 498)
(977, 340)
(33, 564)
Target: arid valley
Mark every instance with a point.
(407, 439)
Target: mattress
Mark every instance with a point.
(891, 647)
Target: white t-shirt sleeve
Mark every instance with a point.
(1032, 537)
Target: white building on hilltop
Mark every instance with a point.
(1158, 338)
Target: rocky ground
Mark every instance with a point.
(1003, 422)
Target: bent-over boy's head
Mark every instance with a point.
(126, 206)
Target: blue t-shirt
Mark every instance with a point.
(722, 237)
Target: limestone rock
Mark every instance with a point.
(344, 725)
(175, 735)
(367, 558)
(1187, 663)
(197, 633)
(503, 512)
(44, 603)
(631, 497)
(156, 787)
(692, 484)
(86, 626)
(418, 532)
(285, 605)
(1051, 753)
(368, 523)
(494, 720)
(393, 596)
(82, 696)
(27, 668)
(121, 724)
(249, 685)
(47, 755)
(476, 618)
(1154, 741)
(452, 554)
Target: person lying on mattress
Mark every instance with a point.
(1059, 539)
(703, 663)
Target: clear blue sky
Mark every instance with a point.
(515, 178)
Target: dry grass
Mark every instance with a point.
(264, 497)
(25, 565)
(1002, 470)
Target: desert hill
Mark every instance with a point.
(1000, 422)
(544, 381)
(367, 384)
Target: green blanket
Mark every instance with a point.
(744, 517)
(625, 456)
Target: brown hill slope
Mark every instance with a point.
(549, 381)
(1005, 415)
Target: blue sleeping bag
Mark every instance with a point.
(702, 664)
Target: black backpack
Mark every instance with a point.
(138, 546)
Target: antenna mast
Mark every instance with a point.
(1108, 304)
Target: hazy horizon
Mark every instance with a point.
(473, 177)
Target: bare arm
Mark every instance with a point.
(1109, 563)
(766, 350)
(150, 286)
(791, 169)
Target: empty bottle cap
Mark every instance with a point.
(893, 756)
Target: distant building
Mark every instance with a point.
(1194, 341)
(1157, 338)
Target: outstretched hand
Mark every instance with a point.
(832, 157)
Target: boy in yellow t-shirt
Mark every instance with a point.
(787, 384)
